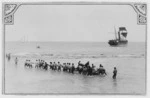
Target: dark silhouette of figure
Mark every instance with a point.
(114, 73)
(72, 68)
(93, 69)
(16, 60)
(59, 66)
(8, 56)
(101, 70)
(45, 66)
(89, 69)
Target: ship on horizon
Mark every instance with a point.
(120, 38)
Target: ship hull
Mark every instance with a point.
(117, 43)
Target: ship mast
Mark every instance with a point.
(24, 39)
(115, 32)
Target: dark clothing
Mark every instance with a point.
(80, 69)
(46, 66)
(89, 71)
(86, 65)
(114, 74)
(72, 71)
(59, 68)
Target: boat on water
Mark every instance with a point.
(120, 38)
(38, 47)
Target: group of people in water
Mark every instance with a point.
(84, 69)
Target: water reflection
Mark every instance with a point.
(114, 81)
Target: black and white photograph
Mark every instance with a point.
(74, 48)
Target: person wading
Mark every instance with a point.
(114, 73)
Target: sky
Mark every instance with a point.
(94, 23)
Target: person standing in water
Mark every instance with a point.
(16, 61)
(114, 73)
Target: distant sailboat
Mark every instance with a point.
(23, 39)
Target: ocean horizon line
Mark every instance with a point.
(72, 41)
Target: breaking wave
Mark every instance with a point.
(76, 56)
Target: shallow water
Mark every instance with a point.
(130, 77)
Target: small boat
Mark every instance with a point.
(120, 39)
(38, 47)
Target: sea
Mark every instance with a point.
(130, 61)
